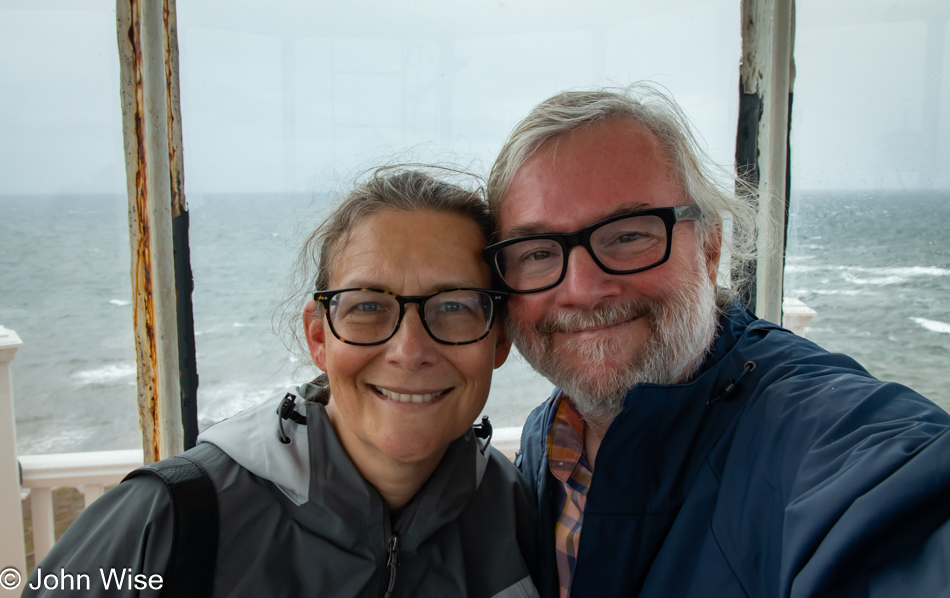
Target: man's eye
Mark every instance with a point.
(450, 306)
(537, 256)
(629, 237)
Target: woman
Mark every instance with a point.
(376, 484)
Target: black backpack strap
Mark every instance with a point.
(190, 570)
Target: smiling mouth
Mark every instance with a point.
(409, 398)
(601, 327)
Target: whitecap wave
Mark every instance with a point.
(803, 268)
(915, 271)
(59, 440)
(871, 276)
(846, 292)
(877, 281)
(106, 374)
(119, 302)
(933, 325)
(895, 271)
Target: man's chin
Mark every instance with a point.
(593, 375)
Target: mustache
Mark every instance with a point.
(605, 315)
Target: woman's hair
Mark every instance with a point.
(719, 194)
(404, 188)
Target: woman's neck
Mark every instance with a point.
(397, 481)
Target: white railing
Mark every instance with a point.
(89, 472)
(12, 552)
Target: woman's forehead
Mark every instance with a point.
(421, 248)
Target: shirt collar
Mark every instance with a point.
(565, 442)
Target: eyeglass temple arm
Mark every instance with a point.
(688, 213)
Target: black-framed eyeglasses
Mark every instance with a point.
(361, 316)
(623, 244)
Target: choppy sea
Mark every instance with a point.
(875, 266)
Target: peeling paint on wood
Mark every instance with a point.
(150, 152)
(766, 76)
(184, 281)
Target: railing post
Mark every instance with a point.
(44, 529)
(90, 492)
(12, 552)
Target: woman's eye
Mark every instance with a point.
(367, 306)
(450, 306)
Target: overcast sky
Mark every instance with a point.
(292, 96)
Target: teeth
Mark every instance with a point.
(407, 398)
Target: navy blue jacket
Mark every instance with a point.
(809, 478)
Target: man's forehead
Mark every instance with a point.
(597, 172)
(549, 222)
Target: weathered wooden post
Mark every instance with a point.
(766, 79)
(158, 223)
(12, 552)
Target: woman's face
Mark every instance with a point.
(407, 253)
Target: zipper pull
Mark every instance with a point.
(392, 561)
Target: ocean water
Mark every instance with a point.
(875, 266)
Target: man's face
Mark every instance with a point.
(597, 334)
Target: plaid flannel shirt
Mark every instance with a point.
(565, 451)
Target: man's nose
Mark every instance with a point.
(585, 284)
(411, 346)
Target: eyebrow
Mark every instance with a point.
(524, 230)
(438, 288)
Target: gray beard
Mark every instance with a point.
(682, 332)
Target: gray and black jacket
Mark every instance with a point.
(297, 519)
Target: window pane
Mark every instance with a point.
(293, 99)
(867, 248)
(64, 240)
(282, 104)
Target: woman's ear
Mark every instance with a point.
(313, 326)
(502, 346)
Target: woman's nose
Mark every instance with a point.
(412, 347)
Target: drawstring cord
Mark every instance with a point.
(286, 411)
(483, 430)
(725, 393)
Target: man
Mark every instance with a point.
(691, 449)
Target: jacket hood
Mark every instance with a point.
(251, 438)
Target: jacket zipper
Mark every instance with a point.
(392, 562)
(392, 545)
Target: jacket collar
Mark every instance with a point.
(340, 495)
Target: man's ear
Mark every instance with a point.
(502, 346)
(314, 330)
(713, 252)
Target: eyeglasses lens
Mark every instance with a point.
(364, 316)
(458, 316)
(631, 243)
(370, 316)
(627, 244)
